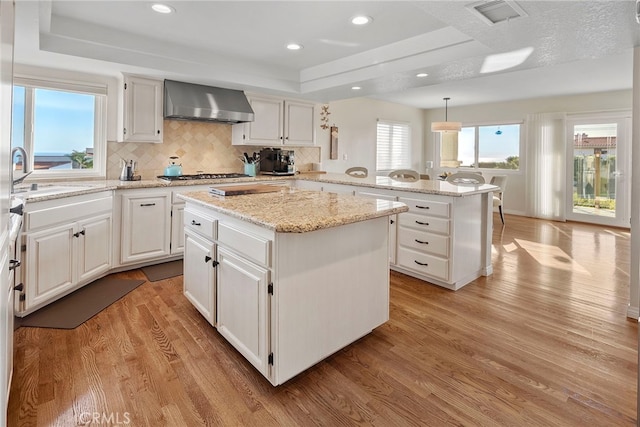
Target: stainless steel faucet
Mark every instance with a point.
(25, 166)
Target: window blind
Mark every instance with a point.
(393, 149)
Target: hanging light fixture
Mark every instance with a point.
(446, 126)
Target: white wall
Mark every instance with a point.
(356, 120)
(517, 111)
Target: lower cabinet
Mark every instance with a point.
(146, 225)
(199, 274)
(226, 278)
(243, 315)
(62, 255)
(177, 229)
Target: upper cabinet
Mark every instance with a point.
(142, 110)
(277, 122)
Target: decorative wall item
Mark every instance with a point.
(333, 152)
(324, 117)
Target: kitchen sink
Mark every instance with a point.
(48, 190)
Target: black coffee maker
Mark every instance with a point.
(275, 161)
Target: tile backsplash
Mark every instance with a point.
(200, 146)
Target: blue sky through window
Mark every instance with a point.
(63, 121)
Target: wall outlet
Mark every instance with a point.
(428, 164)
(344, 156)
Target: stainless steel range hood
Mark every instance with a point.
(188, 101)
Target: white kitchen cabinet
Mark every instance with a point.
(146, 225)
(338, 188)
(50, 259)
(199, 274)
(277, 122)
(143, 118)
(299, 119)
(277, 305)
(177, 229)
(94, 246)
(68, 244)
(242, 306)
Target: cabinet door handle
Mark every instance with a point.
(193, 222)
(147, 204)
(422, 223)
(207, 258)
(421, 263)
(422, 207)
(79, 233)
(420, 241)
(392, 221)
(14, 263)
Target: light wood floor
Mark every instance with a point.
(544, 341)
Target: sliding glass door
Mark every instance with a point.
(598, 164)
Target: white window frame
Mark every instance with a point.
(476, 147)
(100, 126)
(407, 144)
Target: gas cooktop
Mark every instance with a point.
(203, 176)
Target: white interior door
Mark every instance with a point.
(598, 165)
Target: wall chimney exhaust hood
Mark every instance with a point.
(188, 101)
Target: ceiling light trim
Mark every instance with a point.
(496, 11)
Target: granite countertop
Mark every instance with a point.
(424, 186)
(56, 190)
(292, 210)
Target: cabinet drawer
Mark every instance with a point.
(427, 207)
(429, 265)
(201, 224)
(421, 241)
(424, 223)
(67, 210)
(251, 246)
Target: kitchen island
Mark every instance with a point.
(290, 276)
(444, 239)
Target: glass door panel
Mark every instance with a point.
(597, 153)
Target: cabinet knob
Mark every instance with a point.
(158, 131)
(207, 258)
(392, 221)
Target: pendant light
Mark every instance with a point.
(446, 126)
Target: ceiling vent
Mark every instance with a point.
(495, 11)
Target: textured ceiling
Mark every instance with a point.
(578, 46)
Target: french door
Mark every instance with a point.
(598, 165)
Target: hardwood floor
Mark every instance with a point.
(544, 341)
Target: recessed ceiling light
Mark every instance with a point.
(355, 88)
(361, 20)
(162, 8)
(294, 46)
(422, 75)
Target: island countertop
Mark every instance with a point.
(424, 186)
(292, 210)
